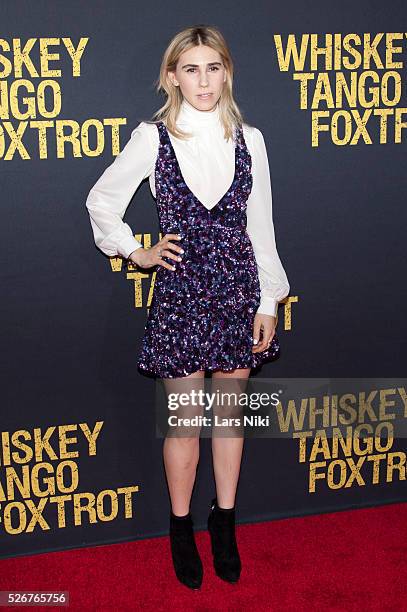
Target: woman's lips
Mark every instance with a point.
(204, 96)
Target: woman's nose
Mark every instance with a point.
(203, 80)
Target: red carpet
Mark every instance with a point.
(344, 561)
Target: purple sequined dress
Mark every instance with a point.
(201, 315)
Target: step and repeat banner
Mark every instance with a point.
(81, 437)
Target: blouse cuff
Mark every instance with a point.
(128, 245)
(268, 306)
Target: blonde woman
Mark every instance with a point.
(219, 277)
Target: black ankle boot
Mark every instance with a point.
(185, 555)
(226, 559)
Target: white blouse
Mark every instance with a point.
(207, 165)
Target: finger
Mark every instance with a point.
(166, 253)
(256, 332)
(260, 346)
(175, 247)
(169, 237)
(164, 264)
(265, 341)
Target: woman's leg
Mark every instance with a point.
(227, 451)
(181, 452)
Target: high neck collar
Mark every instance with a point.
(194, 118)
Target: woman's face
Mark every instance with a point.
(200, 70)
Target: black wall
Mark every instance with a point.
(71, 322)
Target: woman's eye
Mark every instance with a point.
(213, 68)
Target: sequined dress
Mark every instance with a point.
(201, 315)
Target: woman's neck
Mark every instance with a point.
(189, 115)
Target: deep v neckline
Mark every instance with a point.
(236, 133)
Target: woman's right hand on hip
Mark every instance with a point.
(146, 258)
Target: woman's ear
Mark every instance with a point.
(172, 78)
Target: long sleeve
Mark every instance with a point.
(274, 284)
(109, 198)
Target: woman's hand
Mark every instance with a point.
(267, 324)
(146, 258)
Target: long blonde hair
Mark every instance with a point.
(229, 113)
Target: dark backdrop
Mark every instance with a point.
(72, 325)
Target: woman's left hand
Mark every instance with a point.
(266, 323)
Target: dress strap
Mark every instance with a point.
(162, 132)
(238, 132)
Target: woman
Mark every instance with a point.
(219, 277)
